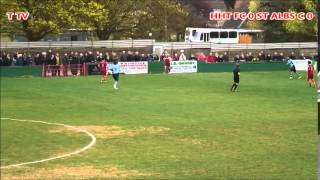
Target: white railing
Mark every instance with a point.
(189, 45)
(78, 44)
(151, 43)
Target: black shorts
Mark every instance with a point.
(293, 69)
(115, 77)
(236, 79)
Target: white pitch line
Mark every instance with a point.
(93, 141)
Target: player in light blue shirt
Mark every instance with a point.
(292, 69)
(290, 63)
(115, 68)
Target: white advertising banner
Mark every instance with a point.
(138, 67)
(183, 67)
(301, 64)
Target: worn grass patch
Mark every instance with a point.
(65, 172)
(109, 132)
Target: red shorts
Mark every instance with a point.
(310, 76)
(103, 73)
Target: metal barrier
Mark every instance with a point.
(151, 43)
(63, 70)
(254, 46)
(80, 44)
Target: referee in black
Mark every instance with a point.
(236, 78)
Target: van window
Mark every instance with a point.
(201, 37)
(233, 34)
(214, 35)
(194, 32)
(223, 34)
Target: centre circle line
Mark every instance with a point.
(92, 142)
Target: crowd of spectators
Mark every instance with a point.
(243, 57)
(51, 58)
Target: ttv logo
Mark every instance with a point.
(19, 15)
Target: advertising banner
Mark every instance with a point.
(139, 67)
(302, 64)
(183, 67)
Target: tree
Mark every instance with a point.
(134, 19)
(302, 28)
(285, 31)
(163, 18)
(108, 18)
(9, 27)
(230, 4)
(46, 17)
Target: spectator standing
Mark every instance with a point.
(90, 57)
(216, 57)
(292, 56)
(85, 57)
(149, 58)
(106, 56)
(65, 63)
(6, 59)
(130, 56)
(49, 53)
(137, 56)
(81, 58)
(281, 56)
(220, 58)
(175, 57)
(243, 57)
(19, 61)
(144, 58)
(98, 58)
(225, 57)
(249, 57)
(236, 58)
(3, 55)
(182, 57)
(201, 57)
(74, 63)
(192, 57)
(163, 55)
(268, 58)
(155, 57)
(123, 56)
(29, 60)
(302, 56)
(57, 58)
(210, 58)
(262, 56)
(275, 56)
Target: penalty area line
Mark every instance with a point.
(88, 146)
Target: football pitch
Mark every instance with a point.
(187, 126)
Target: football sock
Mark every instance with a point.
(236, 86)
(233, 85)
(115, 85)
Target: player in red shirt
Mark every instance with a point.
(311, 82)
(103, 70)
(166, 63)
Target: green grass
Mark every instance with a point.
(34, 141)
(266, 130)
